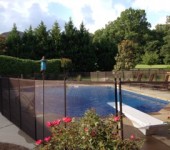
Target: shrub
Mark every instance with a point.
(87, 133)
(12, 66)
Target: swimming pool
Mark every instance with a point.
(81, 98)
(84, 97)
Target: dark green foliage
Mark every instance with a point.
(91, 52)
(55, 41)
(13, 43)
(77, 46)
(105, 50)
(28, 44)
(150, 58)
(11, 66)
(165, 50)
(15, 66)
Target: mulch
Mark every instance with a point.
(9, 146)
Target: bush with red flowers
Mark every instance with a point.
(90, 132)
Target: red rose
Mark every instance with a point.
(116, 118)
(56, 122)
(49, 124)
(47, 139)
(38, 142)
(132, 137)
(67, 119)
(86, 129)
(93, 133)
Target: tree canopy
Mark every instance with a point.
(122, 43)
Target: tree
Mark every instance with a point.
(131, 25)
(42, 41)
(165, 50)
(2, 44)
(85, 57)
(105, 49)
(125, 58)
(28, 44)
(150, 58)
(13, 42)
(68, 40)
(55, 35)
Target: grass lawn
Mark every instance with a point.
(152, 66)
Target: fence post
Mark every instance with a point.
(65, 106)
(43, 110)
(1, 94)
(120, 103)
(116, 97)
(35, 117)
(9, 99)
(20, 117)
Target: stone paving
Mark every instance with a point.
(161, 140)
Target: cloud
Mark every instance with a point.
(87, 14)
(152, 5)
(156, 10)
(94, 13)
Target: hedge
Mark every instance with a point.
(12, 66)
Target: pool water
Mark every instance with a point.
(79, 99)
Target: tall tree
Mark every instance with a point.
(2, 44)
(105, 49)
(42, 40)
(165, 50)
(55, 34)
(131, 25)
(85, 56)
(13, 42)
(28, 44)
(69, 39)
(125, 58)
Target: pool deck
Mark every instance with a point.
(161, 140)
(9, 133)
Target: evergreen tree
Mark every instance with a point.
(13, 42)
(105, 50)
(55, 34)
(29, 44)
(2, 45)
(68, 42)
(165, 50)
(85, 57)
(42, 41)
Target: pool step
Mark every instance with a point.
(144, 122)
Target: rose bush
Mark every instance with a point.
(90, 132)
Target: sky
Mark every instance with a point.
(95, 14)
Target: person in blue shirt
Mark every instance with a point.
(43, 65)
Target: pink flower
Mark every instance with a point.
(93, 133)
(38, 142)
(47, 139)
(116, 118)
(132, 137)
(56, 122)
(67, 119)
(86, 129)
(49, 124)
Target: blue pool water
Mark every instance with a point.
(79, 99)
